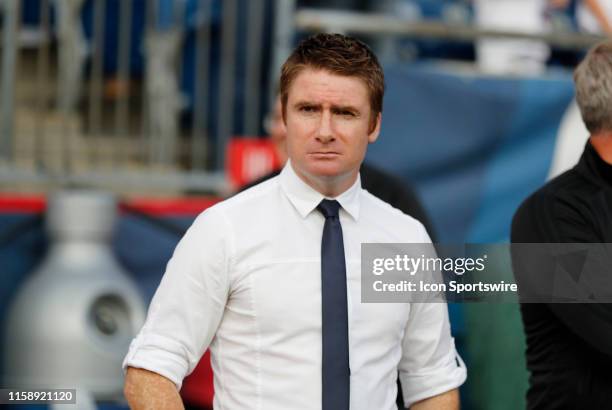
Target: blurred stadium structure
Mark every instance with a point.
(98, 92)
(145, 94)
(79, 304)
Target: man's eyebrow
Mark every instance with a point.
(306, 103)
(345, 108)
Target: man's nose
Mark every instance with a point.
(325, 132)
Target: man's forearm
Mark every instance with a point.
(146, 390)
(445, 401)
(599, 14)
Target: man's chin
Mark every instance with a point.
(325, 170)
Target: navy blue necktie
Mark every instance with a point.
(335, 372)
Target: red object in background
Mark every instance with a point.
(249, 159)
(20, 203)
(197, 389)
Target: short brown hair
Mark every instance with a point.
(338, 54)
(593, 79)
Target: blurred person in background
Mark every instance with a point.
(275, 128)
(595, 16)
(262, 277)
(512, 56)
(592, 16)
(522, 56)
(569, 346)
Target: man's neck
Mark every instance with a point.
(330, 187)
(602, 143)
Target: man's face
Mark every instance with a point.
(328, 123)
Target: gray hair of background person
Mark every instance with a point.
(593, 79)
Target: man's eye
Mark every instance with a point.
(345, 113)
(308, 108)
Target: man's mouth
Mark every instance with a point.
(324, 154)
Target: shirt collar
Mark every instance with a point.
(305, 198)
(594, 167)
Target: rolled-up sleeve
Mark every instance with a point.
(188, 305)
(430, 364)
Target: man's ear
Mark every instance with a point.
(373, 135)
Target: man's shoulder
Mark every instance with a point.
(557, 190)
(254, 194)
(259, 180)
(243, 203)
(536, 219)
(385, 214)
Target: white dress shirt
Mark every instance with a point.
(245, 280)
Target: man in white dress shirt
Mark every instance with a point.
(246, 279)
